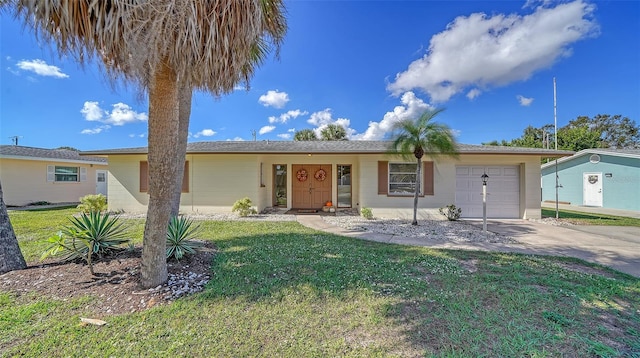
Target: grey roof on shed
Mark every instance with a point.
(625, 153)
(32, 153)
(320, 147)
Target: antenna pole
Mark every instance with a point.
(555, 126)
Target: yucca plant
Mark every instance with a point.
(180, 237)
(88, 235)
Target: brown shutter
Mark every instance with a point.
(185, 178)
(427, 170)
(383, 177)
(144, 177)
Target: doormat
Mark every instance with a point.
(307, 211)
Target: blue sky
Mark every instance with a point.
(361, 64)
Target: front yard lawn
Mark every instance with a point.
(279, 289)
(579, 218)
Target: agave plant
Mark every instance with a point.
(90, 234)
(180, 237)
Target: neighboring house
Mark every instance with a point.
(30, 175)
(351, 174)
(607, 178)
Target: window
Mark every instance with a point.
(144, 177)
(56, 173)
(344, 186)
(279, 185)
(402, 178)
(399, 179)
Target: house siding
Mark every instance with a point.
(25, 181)
(619, 191)
(216, 181)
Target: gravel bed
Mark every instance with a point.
(433, 230)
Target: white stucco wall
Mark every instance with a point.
(216, 181)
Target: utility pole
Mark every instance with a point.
(14, 139)
(555, 125)
(253, 134)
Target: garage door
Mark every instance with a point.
(503, 191)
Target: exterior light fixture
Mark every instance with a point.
(485, 178)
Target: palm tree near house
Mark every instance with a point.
(333, 132)
(414, 138)
(167, 48)
(305, 135)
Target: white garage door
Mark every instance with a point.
(503, 191)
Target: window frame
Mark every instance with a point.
(426, 185)
(390, 173)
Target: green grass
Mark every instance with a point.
(280, 289)
(591, 219)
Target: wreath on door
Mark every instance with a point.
(301, 175)
(320, 175)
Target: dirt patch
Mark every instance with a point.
(115, 288)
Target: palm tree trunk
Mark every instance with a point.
(183, 133)
(163, 167)
(10, 255)
(416, 194)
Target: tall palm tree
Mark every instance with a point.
(333, 132)
(10, 255)
(168, 48)
(414, 138)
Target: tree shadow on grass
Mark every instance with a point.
(436, 294)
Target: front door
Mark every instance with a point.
(592, 189)
(101, 182)
(311, 185)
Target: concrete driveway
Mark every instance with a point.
(617, 247)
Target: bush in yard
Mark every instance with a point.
(243, 207)
(93, 234)
(89, 203)
(451, 212)
(180, 237)
(366, 213)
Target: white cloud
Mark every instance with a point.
(95, 130)
(322, 119)
(285, 117)
(205, 133)
(284, 135)
(412, 107)
(524, 101)
(483, 51)
(266, 129)
(120, 115)
(236, 139)
(274, 99)
(141, 135)
(473, 93)
(41, 68)
(291, 130)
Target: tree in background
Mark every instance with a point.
(333, 132)
(601, 131)
(414, 138)
(167, 48)
(305, 135)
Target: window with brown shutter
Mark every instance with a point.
(144, 177)
(404, 187)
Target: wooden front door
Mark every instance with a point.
(311, 185)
